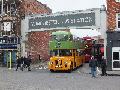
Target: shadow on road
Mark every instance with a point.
(113, 74)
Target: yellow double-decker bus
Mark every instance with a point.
(66, 53)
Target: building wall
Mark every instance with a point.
(113, 40)
(113, 7)
(38, 45)
(30, 41)
(9, 10)
(35, 7)
(34, 43)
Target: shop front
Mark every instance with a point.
(113, 50)
(9, 50)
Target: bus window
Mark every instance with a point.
(70, 38)
(65, 52)
(60, 37)
(81, 53)
(61, 52)
(54, 53)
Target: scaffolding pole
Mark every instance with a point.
(2, 8)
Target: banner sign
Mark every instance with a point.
(66, 20)
(8, 46)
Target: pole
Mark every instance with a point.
(2, 8)
(7, 57)
(10, 60)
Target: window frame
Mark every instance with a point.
(117, 0)
(117, 21)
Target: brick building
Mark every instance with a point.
(36, 44)
(113, 34)
(10, 20)
(12, 13)
(34, 7)
(15, 10)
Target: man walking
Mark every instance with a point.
(19, 63)
(93, 65)
(103, 66)
(27, 62)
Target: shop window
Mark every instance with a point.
(13, 9)
(116, 64)
(115, 55)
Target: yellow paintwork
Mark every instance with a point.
(65, 62)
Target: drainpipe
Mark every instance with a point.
(2, 8)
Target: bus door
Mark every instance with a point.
(78, 59)
(73, 54)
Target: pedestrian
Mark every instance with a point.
(103, 66)
(99, 58)
(27, 62)
(19, 63)
(93, 65)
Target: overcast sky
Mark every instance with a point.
(71, 5)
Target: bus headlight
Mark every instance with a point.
(50, 63)
(65, 62)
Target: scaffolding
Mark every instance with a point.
(10, 23)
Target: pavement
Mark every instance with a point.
(43, 79)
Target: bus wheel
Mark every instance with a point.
(82, 63)
(51, 70)
(71, 66)
(75, 65)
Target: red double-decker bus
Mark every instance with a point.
(88, 47)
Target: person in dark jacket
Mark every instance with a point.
(19, 63)
(93, 65)
(103, 66)
(23, 62)
(27, 62)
